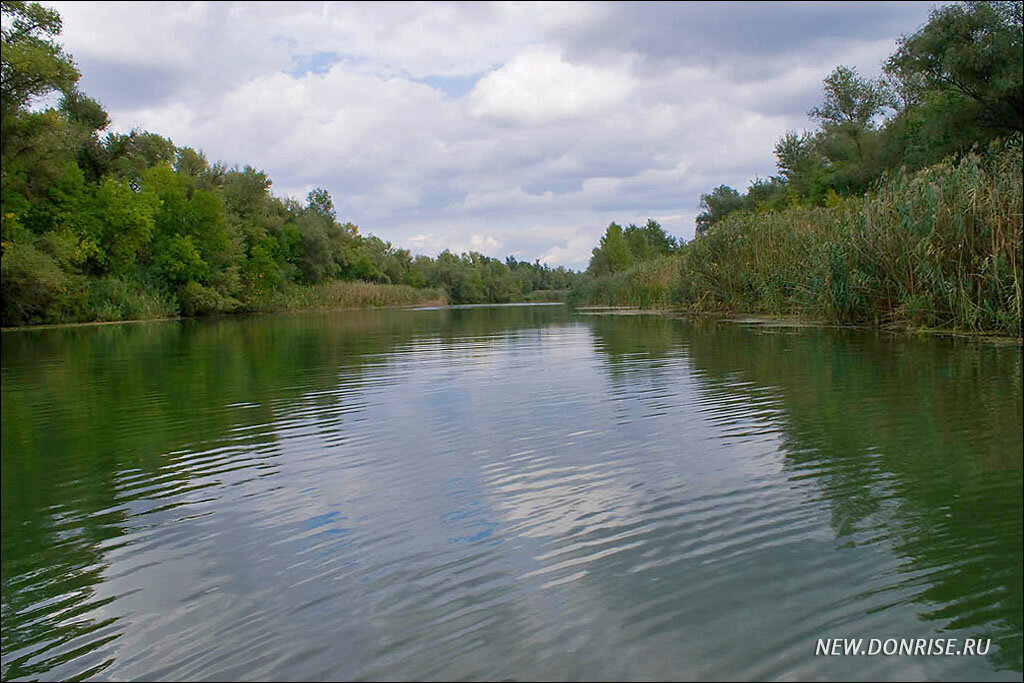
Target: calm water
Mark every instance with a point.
(504, 493)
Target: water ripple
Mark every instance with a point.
(514, 493)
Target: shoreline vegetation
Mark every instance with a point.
(330, 296)
(335, 295)
(102, 227)
(903, 209)
(952, 264)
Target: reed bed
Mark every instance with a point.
(939, 248)
(349, 294)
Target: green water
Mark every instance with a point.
(504, 493)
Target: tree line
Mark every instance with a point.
(99, 225)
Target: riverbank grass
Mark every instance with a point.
(348, 294)
(938, 249)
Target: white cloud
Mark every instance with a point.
(507, 128)
(576, 248)
(484, 243)
(538, 86)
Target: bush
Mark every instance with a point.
(111, 298)
(34, 289)
(197, 299)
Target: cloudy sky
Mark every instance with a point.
(519, 128)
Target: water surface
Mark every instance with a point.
(504, 493)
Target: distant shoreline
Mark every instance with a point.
(425, 306)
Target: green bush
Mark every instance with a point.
(111, 298)
(34, 289)
(197, 299)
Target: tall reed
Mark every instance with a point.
(349, 294)
(939, 248)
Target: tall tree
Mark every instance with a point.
(613, 254)
(852, 105)
(720, 202)
(973, 50)
(32, 63)
(851, 100)
(33, 145)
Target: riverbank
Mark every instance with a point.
(794, 322)
(337, 295)
(334, 295)
(937, 249)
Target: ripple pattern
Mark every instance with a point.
(511, 493)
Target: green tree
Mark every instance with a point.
(613, 254)
(319, 201)
(33, 145)
(85, 117)
(851, 103)
(720, 202)
(131, 155)
(316, 261)
(649, 241)
(132, 224)
(766, 194)
(32, 63)
(804, 169)
(849, 123)
(972, 50)
(128, 220)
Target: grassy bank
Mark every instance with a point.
(349, 294)
(939, 248)
(116, 301)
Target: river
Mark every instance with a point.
(517, 492)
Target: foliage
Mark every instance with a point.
(972, 50)
(720, 202)
(954, 85)
(132, 225)
(32, 64)
(902, 207)
(338, 294)
(619, 249)
(940, 248)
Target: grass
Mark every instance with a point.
(348, 294)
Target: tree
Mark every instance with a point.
(102, 229)
(319, 201)
(613, 254)
(32, 64)
(721, 201)
(851, 101)
(849, 111)
(972, 50)
(33, 145)
(804, 169)
(84, 111)
(131, 156)
(766, 194)
(649, 241)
